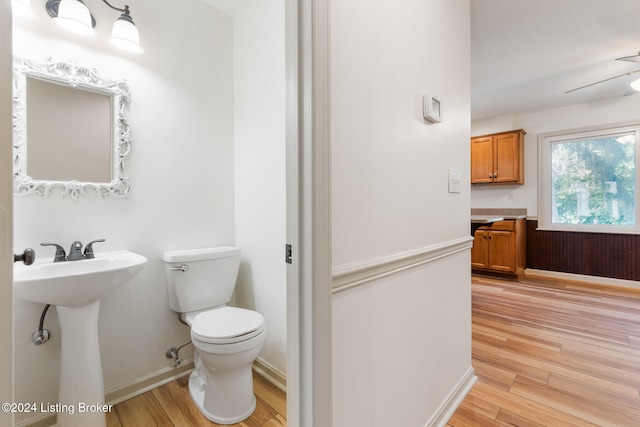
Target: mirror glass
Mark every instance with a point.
(70, 130)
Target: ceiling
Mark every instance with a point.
(525, 54)
(228, 7)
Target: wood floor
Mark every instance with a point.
(171, 406)
(547, 354)
(554, 354)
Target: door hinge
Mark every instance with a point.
(288, 251)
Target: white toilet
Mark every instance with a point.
(226, 339)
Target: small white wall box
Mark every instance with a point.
(432, 109)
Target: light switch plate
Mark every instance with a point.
(454, 181)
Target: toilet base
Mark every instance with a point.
(197, 391)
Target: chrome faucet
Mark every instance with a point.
(88, 250)
(75, 252)
(60, 255)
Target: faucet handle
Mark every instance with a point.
(88, 250)
(60, 255)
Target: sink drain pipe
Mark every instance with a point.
(42, 335)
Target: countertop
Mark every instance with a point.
(485, 219)
(478, 215)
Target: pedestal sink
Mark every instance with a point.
(76, 288)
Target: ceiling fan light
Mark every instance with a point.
(22, 9)
(635, 85)
(74, 17)
(125, 36)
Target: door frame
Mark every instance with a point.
(309, 277)
(308, 214)
(6, 213)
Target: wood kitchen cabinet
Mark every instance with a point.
(500, 247)
(498, 158)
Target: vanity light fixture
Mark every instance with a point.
(74, 16)
(635, 85)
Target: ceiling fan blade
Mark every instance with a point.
(602, 81)
(631, 58)
(630, 91)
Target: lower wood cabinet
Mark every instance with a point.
(500, 247)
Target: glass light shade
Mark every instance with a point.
(22, 9)
(125, 35)
(74, 17)
(635, 85)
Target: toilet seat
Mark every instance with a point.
(226, 325)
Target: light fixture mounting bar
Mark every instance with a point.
(125, 9)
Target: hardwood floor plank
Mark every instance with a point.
(112, 419)
(596, 394)
(277, 421)
(581, 363)
(493, 375)
(171, 405)
(553, 353)
(569, 403)
(508, 361)
(487, 335)
(481, 407)
(261, 415)
(271, 394)
(177, 403)
(469, 417)
(144, 411)
(527, 408)
(511, 419)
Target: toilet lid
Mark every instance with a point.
(226, 324)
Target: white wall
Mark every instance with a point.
(260, 202)
(401, 342)
(182, 177)
(599, 113)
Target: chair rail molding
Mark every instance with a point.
(351, 275)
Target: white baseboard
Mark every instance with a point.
(449, 406)
(156, 379)
(271, 374)
(141, 385)
(631, 284)
(124, 392)
(47, 420)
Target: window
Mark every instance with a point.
(588, 180)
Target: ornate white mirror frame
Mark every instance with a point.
(71, 75)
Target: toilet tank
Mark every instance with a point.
(207, 281)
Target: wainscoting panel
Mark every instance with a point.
(595, 254)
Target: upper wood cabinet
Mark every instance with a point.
(498, 158)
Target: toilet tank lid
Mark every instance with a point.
(186, 255)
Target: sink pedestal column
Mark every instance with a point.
(81, 384)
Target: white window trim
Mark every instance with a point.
(544, 178)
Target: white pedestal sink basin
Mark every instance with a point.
(76, 288)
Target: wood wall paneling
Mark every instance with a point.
(593, 254)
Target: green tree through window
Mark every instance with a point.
(594, 180)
